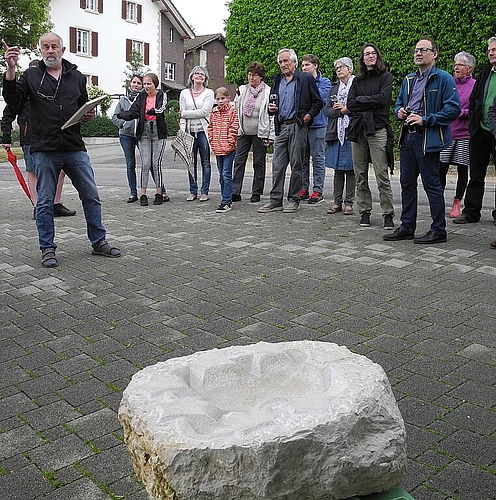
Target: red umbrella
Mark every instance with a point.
(13, 160)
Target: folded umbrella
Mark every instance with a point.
(13, 161)
(182, 146)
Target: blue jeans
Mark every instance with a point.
(76, 165)
(128, 145)
(224, 165)
(200, 146)
(316, 150)
(413, 162)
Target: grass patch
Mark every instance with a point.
(50, 477)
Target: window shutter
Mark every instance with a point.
(72, 40)
(123, 9)
(82, 4)
(129, 48)
(147, 54)
(100, 6)
(94, 81)
(94, 44)
(139, 13)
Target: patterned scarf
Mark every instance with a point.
(250, 101)
(344, 120)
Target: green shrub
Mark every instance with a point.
(101, 126)
(172, 106)
(172, 122)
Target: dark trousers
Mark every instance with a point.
(414, 162)
(482, 145)
(245, 142)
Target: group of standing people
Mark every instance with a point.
(446, 121)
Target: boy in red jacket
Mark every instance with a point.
(223, 135)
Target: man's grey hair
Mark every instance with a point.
(467, 58)
(292, 55)
(345, 61)
(491, 40)
(53, 34)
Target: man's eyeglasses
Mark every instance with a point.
(458, 65)
(369, 54)
(338, 68)
(48, 97)
(422, 50)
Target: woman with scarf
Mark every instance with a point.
(338, 152)
(256, 129)
(195, 105)
(127, 133)
(458, 152)
(148, 108)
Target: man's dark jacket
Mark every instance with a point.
(307, 97)
(476, 100)
(22, 120)
(48, 115)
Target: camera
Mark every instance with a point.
(273, 98)
(334, 99)
(411, 128)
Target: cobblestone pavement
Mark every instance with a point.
(191, 279)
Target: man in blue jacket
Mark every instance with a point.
(428, 102)
(294, 101)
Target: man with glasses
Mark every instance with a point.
(427, 103)
(56, 90)
(482, 142)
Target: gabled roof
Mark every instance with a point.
(178, 21)
(199, 41)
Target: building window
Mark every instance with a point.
(137, 46)
(169, 71)
(203, 58)
(131, 11)
(92, 5)
(83, 42)
(140, 47)
(171, 35)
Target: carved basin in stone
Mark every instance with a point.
(296, 420)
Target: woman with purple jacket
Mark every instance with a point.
(458, 152)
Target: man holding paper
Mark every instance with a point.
(56, 90)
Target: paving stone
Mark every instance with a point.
(465, 481)
(178, 290)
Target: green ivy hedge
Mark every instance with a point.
(330, 29)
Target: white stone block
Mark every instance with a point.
(293, 421)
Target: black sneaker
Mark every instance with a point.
(315, 198)
(388, 222)
(236, 197)
(365, 219)
(144, 200)
(255, 198)
(158, 199)
(223, 207)
(60, 211)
